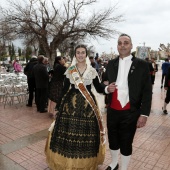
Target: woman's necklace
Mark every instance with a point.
(81, 70)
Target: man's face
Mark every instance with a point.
(45, 62)
(91, 60)
(62, 61)
(124, 46)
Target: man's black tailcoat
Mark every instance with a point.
(139, 83)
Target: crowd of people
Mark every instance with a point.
(44, 82)
(165, 80)
(77, 136)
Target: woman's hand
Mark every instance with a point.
(106, 83)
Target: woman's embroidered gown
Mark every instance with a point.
(74, 143)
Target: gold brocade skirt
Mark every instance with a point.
(74, 142)
(56, 161)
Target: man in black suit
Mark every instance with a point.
(129, 96)
(30, 79)
(41, 81)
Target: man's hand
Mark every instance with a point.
(141, 121)
(111, 87)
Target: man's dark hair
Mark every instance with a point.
(147, 59)
(123, 34)
(57, 61)
(40, 58)
(91, 57)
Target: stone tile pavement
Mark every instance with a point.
(23, 133)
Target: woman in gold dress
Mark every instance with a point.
(77, 139)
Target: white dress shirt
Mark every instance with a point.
(122, 80)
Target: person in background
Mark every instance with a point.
(151, 70)
(167, 88)
(164, 68)
(100, 67)
(46, 63)
(56, 84)
(76, 141)
(66, 62)
(65, 59)
(10, 67)
(129, 98)
(92, 61)
(30, 79)
(17, 66)
(41, 82)
(155, 69)
(96, 63)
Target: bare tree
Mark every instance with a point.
(67, 46)
(6, 35)
(52, 24)
(30, 40)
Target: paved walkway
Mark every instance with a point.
(23, 133)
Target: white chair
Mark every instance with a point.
(3, 95)
(12, 95)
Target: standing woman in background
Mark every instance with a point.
(76, 142)
(56, 84)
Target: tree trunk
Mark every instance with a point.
(52, 58)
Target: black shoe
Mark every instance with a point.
(28, 105)
(109, 168)
(43, 111)
(164, 111)
(161, 87)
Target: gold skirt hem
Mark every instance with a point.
(56, 161)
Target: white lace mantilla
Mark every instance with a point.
(87, 77)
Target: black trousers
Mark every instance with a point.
(153, 79)
(41, 98)
(121, 127)
(163, 77)
(167, 98)
(31, 89)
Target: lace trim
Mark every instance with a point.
(87, 77)
(76, 133)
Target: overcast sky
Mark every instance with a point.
(145, 21)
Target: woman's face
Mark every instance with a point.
(81, 54)
(62, 61)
